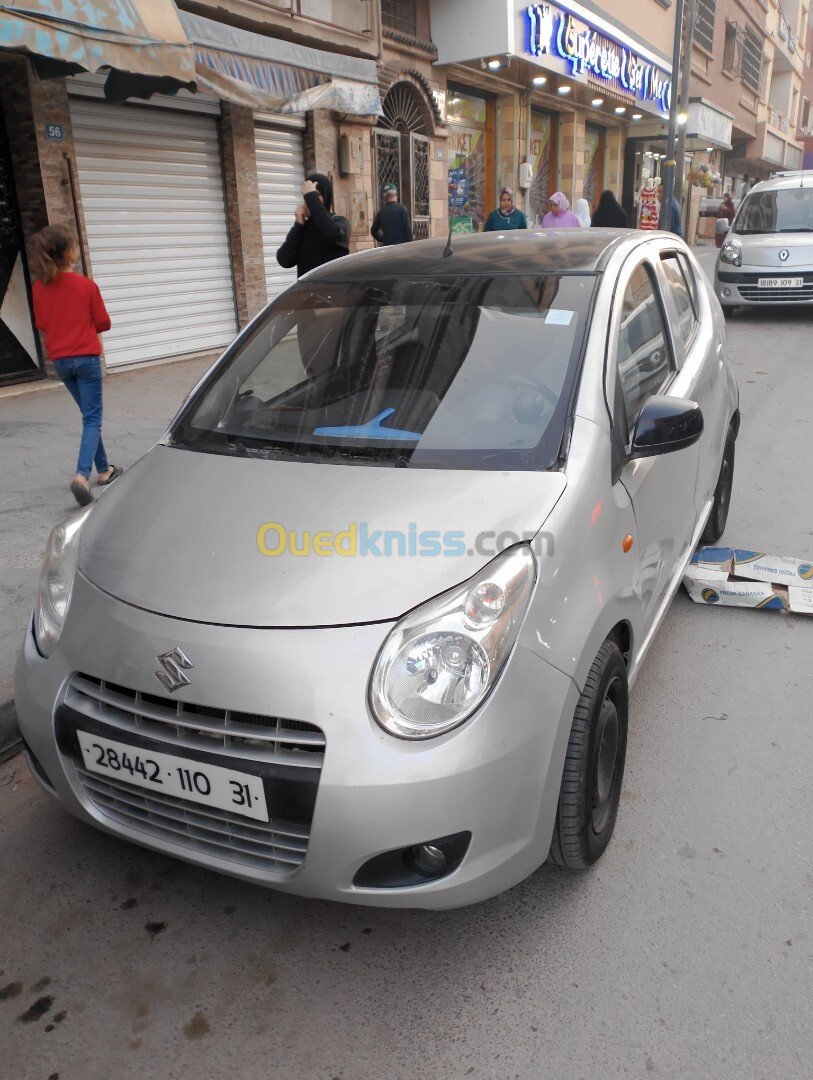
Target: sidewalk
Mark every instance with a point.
(40, 433)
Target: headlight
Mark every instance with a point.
(731, 252)
(441, 661)
(56, 581)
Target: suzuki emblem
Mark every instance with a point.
(174, 663)
(783, 254)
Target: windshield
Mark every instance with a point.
(789, 210)
(468, 372)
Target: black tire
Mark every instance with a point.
(594, 766)
(728, 310)
(715, 526)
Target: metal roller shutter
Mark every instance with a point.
(152, 193)
(280, 172)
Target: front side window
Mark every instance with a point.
(644, 363)
(681, 296)
(789, 210)
(469, 372)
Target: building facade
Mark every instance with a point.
(181, 198)
(544, 97)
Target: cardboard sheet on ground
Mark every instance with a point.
(735, 577)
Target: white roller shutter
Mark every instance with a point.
(152, 194)
(280, 172)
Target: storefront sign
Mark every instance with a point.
(557, 32)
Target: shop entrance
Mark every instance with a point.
(19, 348)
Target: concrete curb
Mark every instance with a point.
(10, 741)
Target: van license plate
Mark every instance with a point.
(780, 282)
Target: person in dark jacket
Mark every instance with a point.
(391, 223)
(318, 235)
(609, 213)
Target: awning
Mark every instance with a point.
(140, 37)
(270, 74)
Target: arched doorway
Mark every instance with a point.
(401, 153)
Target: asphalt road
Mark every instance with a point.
(686, 952)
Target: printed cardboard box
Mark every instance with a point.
(737, 577)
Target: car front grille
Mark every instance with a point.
(274, 846)
(287, 754)
(247, 736)
(778, 296)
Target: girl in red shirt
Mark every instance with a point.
(69, 309)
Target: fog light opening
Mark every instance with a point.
(726, 291)
(428, 859)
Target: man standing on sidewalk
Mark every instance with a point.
(669, 221)
(391, 223)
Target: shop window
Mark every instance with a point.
(704, 24)
(470, 160)
(400, 15)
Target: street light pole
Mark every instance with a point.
(668, 174)
(685, 76)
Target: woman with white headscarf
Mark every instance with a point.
(581, 208)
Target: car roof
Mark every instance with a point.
(782, 181)
(559, 251)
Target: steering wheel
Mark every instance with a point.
(531, 384)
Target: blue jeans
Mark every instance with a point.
(83, 377)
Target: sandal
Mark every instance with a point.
(115, 473)
(81, 492)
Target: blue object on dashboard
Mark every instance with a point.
(371, 430)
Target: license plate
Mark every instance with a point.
(197, 781)
(780, 282)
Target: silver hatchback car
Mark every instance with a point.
(362, 626)
(767, 256)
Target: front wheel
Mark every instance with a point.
(715, 526)
(728, 310)
(594, 766)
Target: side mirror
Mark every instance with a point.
(721, 226)
(666, 424)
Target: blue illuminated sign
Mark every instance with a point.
(557, 32)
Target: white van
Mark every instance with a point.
(767, 256)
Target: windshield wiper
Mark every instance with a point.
(796, 230)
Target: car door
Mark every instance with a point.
(642, 361)
(700, 356)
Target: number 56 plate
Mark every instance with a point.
(183, 778)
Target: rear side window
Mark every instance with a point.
(644, 363)
(681, 296)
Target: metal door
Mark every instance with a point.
(155, 215)
(19, 352)
(387, 159)
(280, 172)
(419, 185)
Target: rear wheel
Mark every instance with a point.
(715, 526)
(594, 766)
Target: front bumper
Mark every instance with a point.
(364, 793)
(740, 286)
